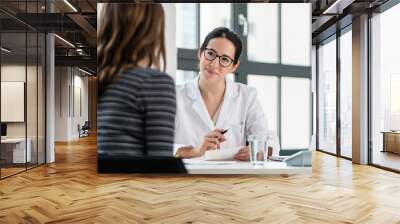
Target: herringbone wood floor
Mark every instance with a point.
(70, 191)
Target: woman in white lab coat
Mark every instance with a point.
(212, 103)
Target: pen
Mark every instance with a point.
(225, 131)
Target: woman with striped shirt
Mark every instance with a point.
(136, 107)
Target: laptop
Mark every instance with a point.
(3, 131)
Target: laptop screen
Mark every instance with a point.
(3, 129)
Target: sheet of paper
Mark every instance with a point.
(205, 162)
(221, 154)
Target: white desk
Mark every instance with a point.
(196, 166)
(18, 144)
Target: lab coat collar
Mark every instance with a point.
(194, 91)
(199, 107)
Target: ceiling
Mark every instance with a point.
(75, 21)
(72, 20)
(328, 16)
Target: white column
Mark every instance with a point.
(360, 90)
(50, 99)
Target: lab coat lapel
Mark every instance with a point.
(197, 103)
(227, 105)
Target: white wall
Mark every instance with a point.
(170, 38)
(70, 83)
(32, 79)
(61, 104)
(13, 101)
(99, 8)
(12, 73)
(84, 97)
(80, 98)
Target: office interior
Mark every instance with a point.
(48, 82)
(340, 99)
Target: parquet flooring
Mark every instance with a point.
(71, 191)
(386, 159)
(10, 171)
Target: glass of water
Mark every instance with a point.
(258, 148)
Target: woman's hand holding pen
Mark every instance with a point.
(211, 141)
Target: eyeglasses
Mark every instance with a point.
(211, 54)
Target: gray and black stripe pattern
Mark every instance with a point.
(136, 115)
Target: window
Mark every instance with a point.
(296, 19)
(327, 96)
(22, 65)
(296, 103)
(267, 60)
(183, 76)
(267, 90)
(186, 18)
(346, 94)
(395, 102)
(385, 85)
(262, 44)
(213, 15)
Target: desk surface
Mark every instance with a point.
(13, 140)
(390, 132)
(195, 166)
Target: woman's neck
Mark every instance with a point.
(211, 90)
(144, 63)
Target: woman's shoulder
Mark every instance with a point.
(148, 74)
(148, 78)
(245, 89)
(145, 72)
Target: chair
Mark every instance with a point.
(84, 130)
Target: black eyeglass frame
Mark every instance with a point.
(217, 56)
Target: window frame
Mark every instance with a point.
(380, 9)
(187, 60)
(40, 37)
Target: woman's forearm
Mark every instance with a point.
(186, 152)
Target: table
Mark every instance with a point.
(198, 166)
(391, 141)
(16, 147)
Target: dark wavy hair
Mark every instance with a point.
(128, 34)
(228, 34)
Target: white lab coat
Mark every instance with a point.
(240, 113)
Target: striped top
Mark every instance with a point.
(136, 115)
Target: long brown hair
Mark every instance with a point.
(127, 35)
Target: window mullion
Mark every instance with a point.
(237, 9)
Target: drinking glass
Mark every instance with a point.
(258, 148)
